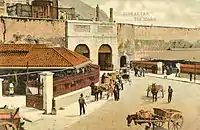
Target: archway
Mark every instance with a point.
(105, 57)
(123, 61)
(83, 50)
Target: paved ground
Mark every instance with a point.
(112, 115)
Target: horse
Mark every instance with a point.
(135, 117)
(157, 88)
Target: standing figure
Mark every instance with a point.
(154, 92)
(165, 74)
(100, 91)
(103, 78)
(120, 82)
(82, 104)
(11, 89)
(190, 76)
(117, 90)
(109, 90)
(140, 71)
(115, 93)
(143, 72)
(170, 91)
(94, 91)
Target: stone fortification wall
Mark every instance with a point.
(23, 30)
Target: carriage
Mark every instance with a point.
(125, 73)
(10, 119)
(160, 116)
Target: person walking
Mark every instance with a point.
(170, 91)
(82, 104)
(117, 90)
(115, 93)
(94, 91)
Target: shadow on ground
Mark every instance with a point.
(147, 99)
(72, 115)
(158, 128)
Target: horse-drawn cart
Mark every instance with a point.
(160, 116)
(10, 119)
(125, 73)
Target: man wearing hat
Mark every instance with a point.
(170, 91)
(82, 104)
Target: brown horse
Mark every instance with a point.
(135, 117)
(155, 89)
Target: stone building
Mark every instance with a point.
(95, 40)
(37, 9)
(138, 42)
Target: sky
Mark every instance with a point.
(153, 12)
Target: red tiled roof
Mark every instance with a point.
(38, 55)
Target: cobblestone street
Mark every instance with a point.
(112, 115)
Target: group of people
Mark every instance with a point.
(112, 88)
(139, 71)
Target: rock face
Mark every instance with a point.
(83, 10)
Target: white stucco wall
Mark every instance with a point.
(93, 38)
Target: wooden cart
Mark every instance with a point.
(10, 119)
(173, 117)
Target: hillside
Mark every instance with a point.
(84, 10)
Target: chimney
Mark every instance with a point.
(111, 15)
(97, 13)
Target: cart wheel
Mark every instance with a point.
(7, 126)
(175, 122)
(159, 124)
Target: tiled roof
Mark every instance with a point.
(38, 55)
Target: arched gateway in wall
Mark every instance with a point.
(123, 61)
(105, 57)
(83, 50)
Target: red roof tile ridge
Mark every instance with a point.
(71, 52)
(62, 55)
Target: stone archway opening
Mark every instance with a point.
(123, 61)
(105, 57)
(83, 50)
